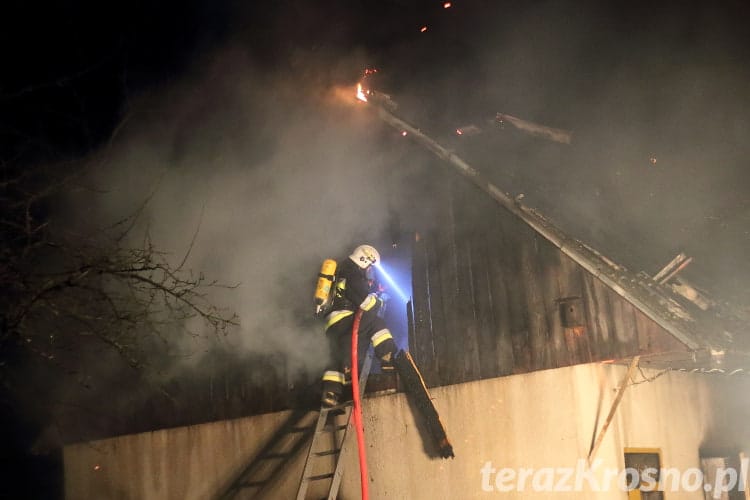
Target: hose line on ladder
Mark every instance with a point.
(357, 409)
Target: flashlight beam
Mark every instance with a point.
(393, 284)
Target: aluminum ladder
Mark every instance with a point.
(324, 456)
(258, 477)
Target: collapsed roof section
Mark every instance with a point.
(712, 332)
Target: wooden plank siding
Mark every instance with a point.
(489, 294)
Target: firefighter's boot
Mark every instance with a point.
(333, 386)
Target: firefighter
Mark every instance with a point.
(355, 289)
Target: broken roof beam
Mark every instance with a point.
(684, 288)
(679, 259)
(672, 317)
(553, 134)
(671, 270)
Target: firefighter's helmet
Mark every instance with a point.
(365, 256)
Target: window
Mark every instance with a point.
(647, 463)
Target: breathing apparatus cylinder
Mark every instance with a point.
(326, 278)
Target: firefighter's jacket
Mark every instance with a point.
(353, 285)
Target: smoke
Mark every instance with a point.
(259, 177)
(271, 171)
(655, 97)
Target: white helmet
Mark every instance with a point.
(365, 256)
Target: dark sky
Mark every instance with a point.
(69, 67)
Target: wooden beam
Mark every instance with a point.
(613, 276)
(620, 392)
(553, 134)
(669, 267)
(671, 275)
(691, 293)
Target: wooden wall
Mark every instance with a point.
(492, 298)
(487, 299)
(223, 386)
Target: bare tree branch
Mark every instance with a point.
(93, 286)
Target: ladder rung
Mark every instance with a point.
(328, 425)
(327, 452)
(337, 407)
(319, 477)
(332, 428)
(252, 484)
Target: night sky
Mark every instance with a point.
(657, 95)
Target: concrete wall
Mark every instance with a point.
(537, 420)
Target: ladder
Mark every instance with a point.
(258, 477)
(329, 443)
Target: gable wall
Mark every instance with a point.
(489, 293)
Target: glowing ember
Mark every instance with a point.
(360, 93)
(653, 160)
(447, 5)
(459, 131)
(97, 467)
(403, 133)
(423, 29)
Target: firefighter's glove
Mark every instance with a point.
(370, 302)
(383, 298)
(387, 367)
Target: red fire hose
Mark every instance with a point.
(358, 407)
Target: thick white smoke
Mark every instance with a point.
(270, 175)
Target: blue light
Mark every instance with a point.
(393, 284)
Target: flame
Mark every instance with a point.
(423, 29)
(447, 5)
(360, 93)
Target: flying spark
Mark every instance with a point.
(423, 29)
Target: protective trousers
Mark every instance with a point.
(372, 329)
